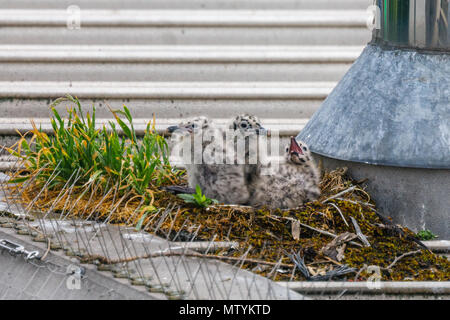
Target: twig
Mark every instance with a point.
(340, 212)
(359, 233)
(48, 249)
(319, 230)
(237, 206)
(340, 194)
(367, 204)
(327, 233)
(305, 225)
(332, 261)
(400, 257)
(184, 254)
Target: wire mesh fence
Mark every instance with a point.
(179, 269)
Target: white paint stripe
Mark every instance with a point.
(167, 90)
(95, 53)
(221, 18)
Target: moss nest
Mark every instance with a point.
(267, 238)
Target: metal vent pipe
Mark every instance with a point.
(388, 119)
(420, 24)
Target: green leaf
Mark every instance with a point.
(147, 210)
(19, 179)
(426, 235)
(127, 114)
(124, 127)
(186, 196)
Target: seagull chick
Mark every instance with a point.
(293, 181)
(210, 167)
(246, 124)
(248, 128)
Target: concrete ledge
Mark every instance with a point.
(22, 280)
(441, 246)
(394, 287)
(195, 278)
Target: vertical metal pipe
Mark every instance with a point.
(422, 24)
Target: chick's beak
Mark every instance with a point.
(180, 129)
(294, 147)
(172, 129)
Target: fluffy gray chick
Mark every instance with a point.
(294, 181)
(211, 168)
(247, 127)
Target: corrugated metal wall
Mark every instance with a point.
(177, 58)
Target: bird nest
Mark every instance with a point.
(339, 236)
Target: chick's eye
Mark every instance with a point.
(194, 125)
(244, 125)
